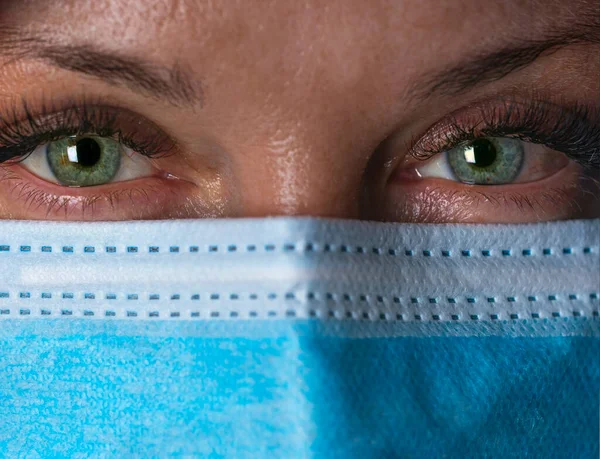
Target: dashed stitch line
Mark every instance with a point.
(371, 315)
(309, 296)
(312, 247)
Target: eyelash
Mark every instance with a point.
(573, 130)
(22, 131)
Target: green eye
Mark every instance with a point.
(84, 160)
(487, 161)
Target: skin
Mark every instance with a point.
(304, 108)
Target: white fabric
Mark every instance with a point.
(283, 268)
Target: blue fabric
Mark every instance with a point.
(306, 388)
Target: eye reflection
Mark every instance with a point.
(86, 151)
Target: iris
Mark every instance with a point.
(487, 161)
(81, 161)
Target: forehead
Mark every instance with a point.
(302, 54)
(287, 35)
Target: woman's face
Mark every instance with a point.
(404, 110)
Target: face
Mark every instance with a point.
(403, 110)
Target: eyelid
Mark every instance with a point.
(573, 129)
(26, 127)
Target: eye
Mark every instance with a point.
(494, 161)
(83, 160)
(87, 161)
(498, 161)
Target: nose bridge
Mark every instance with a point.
(301, 133)
(303, 173)
(301, 125)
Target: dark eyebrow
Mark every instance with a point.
(172, 84)
(487, 67)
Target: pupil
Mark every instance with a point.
(88, 152)
(483, 153)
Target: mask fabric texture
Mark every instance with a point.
(293, 337)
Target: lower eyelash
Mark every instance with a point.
(82, 208)
(554, 197)
(108, 205)
(443, 205)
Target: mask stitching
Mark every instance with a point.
(314, 296)
(355, 314)
(372, 315)
(314, 247)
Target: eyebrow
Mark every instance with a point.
(173, 84)
(486, 67)
(177, 86)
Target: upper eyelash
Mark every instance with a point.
(573, 130)
(22, 131)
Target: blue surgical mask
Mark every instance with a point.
(299, 338)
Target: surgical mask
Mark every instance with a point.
(293, 337)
